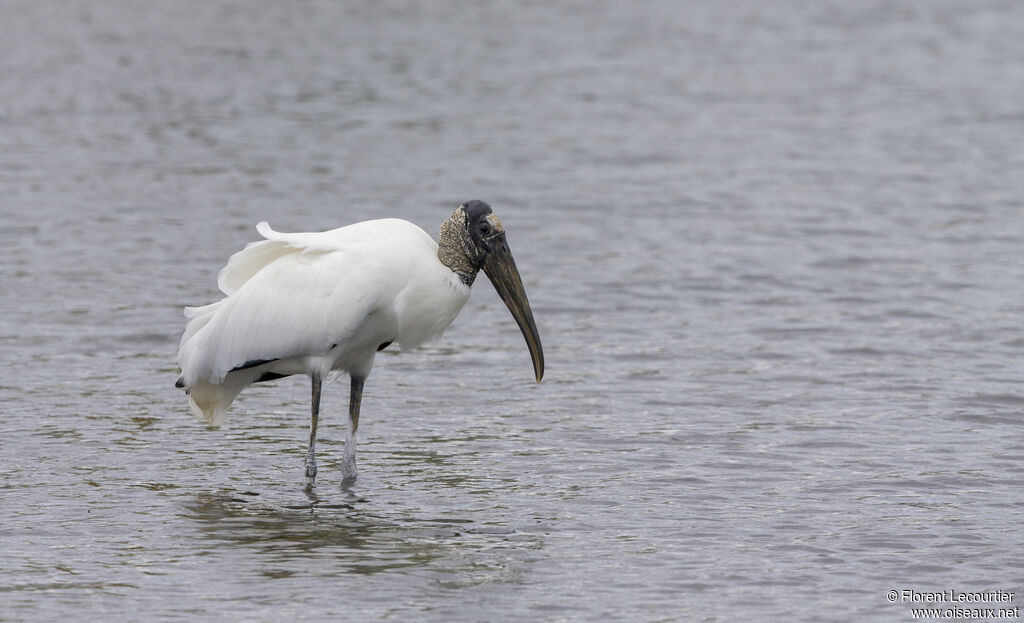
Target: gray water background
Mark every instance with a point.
(775, 251)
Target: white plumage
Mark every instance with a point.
(310, 303)
(316, 302)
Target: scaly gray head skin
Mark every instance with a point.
(455, 247)
(473, 239)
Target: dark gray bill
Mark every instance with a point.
(501, 269)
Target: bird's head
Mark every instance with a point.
(472, 239)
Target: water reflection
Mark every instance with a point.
(357, 540)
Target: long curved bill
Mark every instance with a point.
(501, 269)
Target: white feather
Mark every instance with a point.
(315, 302)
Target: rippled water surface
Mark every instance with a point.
(775, 251)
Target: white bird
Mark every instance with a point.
(310, 303)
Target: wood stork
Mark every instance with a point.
(310, 303)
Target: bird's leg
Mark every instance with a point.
(348, 469)
(314, 418)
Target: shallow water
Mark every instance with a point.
(774, 251)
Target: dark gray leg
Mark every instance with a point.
(314, 418)
(348, 468)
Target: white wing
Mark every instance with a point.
(257, 255)
(300, 295)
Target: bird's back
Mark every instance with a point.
(379, 234)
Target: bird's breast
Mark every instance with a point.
(429, 305)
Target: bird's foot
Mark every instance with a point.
(310, 474)
(349, 471)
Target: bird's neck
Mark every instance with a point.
(452, 245)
